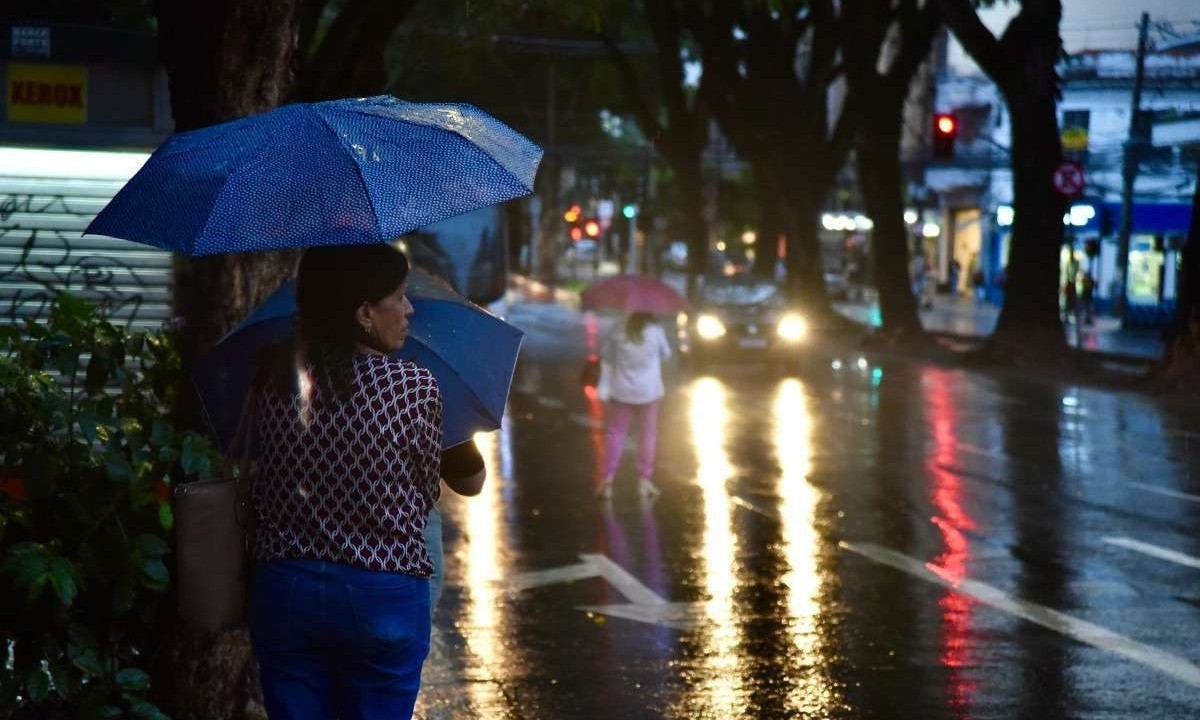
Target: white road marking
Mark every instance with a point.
(681, 616)
(586, 421)
(971, 449)
(1165, 491)
(743, 503)
(1072, 627)
(644, 604)
(553, 576)
(623, 581)
(1161, 553)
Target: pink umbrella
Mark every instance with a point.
(633, 293)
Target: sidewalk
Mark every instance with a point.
(970, 318)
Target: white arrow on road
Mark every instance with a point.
(644, 604)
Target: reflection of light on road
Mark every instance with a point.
(815, 694)
(591, 331)
(484, 566)
(709, 419)
(952, 519)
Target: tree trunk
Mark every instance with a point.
(689, 181)
(880, 177)
(805, 267)
(224, 60)
(1029, 323)
(1182, 362)
(770, 229)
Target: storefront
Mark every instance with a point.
(1156, 248)
(81, 110)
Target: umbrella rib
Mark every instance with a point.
(225, 186)
(357, 173)
(470, 143)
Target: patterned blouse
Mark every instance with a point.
(355, 483)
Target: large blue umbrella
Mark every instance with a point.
(341, 172)
(472, 353)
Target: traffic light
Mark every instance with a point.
(573, 214)
(591, 228)
(945, 132)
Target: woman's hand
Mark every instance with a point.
(463, 469)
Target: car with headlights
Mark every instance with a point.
(741, 318)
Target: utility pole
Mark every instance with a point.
(1133, 147)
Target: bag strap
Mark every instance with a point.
(242, 445)
(239, 456)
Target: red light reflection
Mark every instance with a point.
(591, 336)
(951, 520)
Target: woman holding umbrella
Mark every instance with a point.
(633, 354)
(350, 456)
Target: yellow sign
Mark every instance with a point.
(47, 93)
(1075, 138)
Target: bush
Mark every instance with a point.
(88, 455)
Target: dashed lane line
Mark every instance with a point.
(1167, 492)
(1074, 628)
(1161, 553)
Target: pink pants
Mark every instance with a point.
(619, 417)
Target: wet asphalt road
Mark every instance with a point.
(899, 541)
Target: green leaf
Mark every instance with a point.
(66, 678)
(152, 545)
(37, 588)
(27, 563)
(196, 455)
(118, 468)
(166, 517)
(155, 574)
(133, 680)
(86, 660)
(38, 685)
(87, 425)
(65, 579)
(147, 711)
(161, 432)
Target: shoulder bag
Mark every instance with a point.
(214, 537)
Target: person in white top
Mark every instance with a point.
(632, 357)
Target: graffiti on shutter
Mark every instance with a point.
(43, 252)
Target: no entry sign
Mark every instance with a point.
(1068, 179)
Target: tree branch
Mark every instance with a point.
(350, 58)
(646, 118)
(979, 42)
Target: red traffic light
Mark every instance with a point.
(945, 124)
(591, 228)
(573, 214)
(576, 233)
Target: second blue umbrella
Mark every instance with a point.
(472, 353)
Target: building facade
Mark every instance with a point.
(971, 193)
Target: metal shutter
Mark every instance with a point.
(43, 252)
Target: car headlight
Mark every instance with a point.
(792, 328)
(709, 327)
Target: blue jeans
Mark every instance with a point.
(335, 641)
